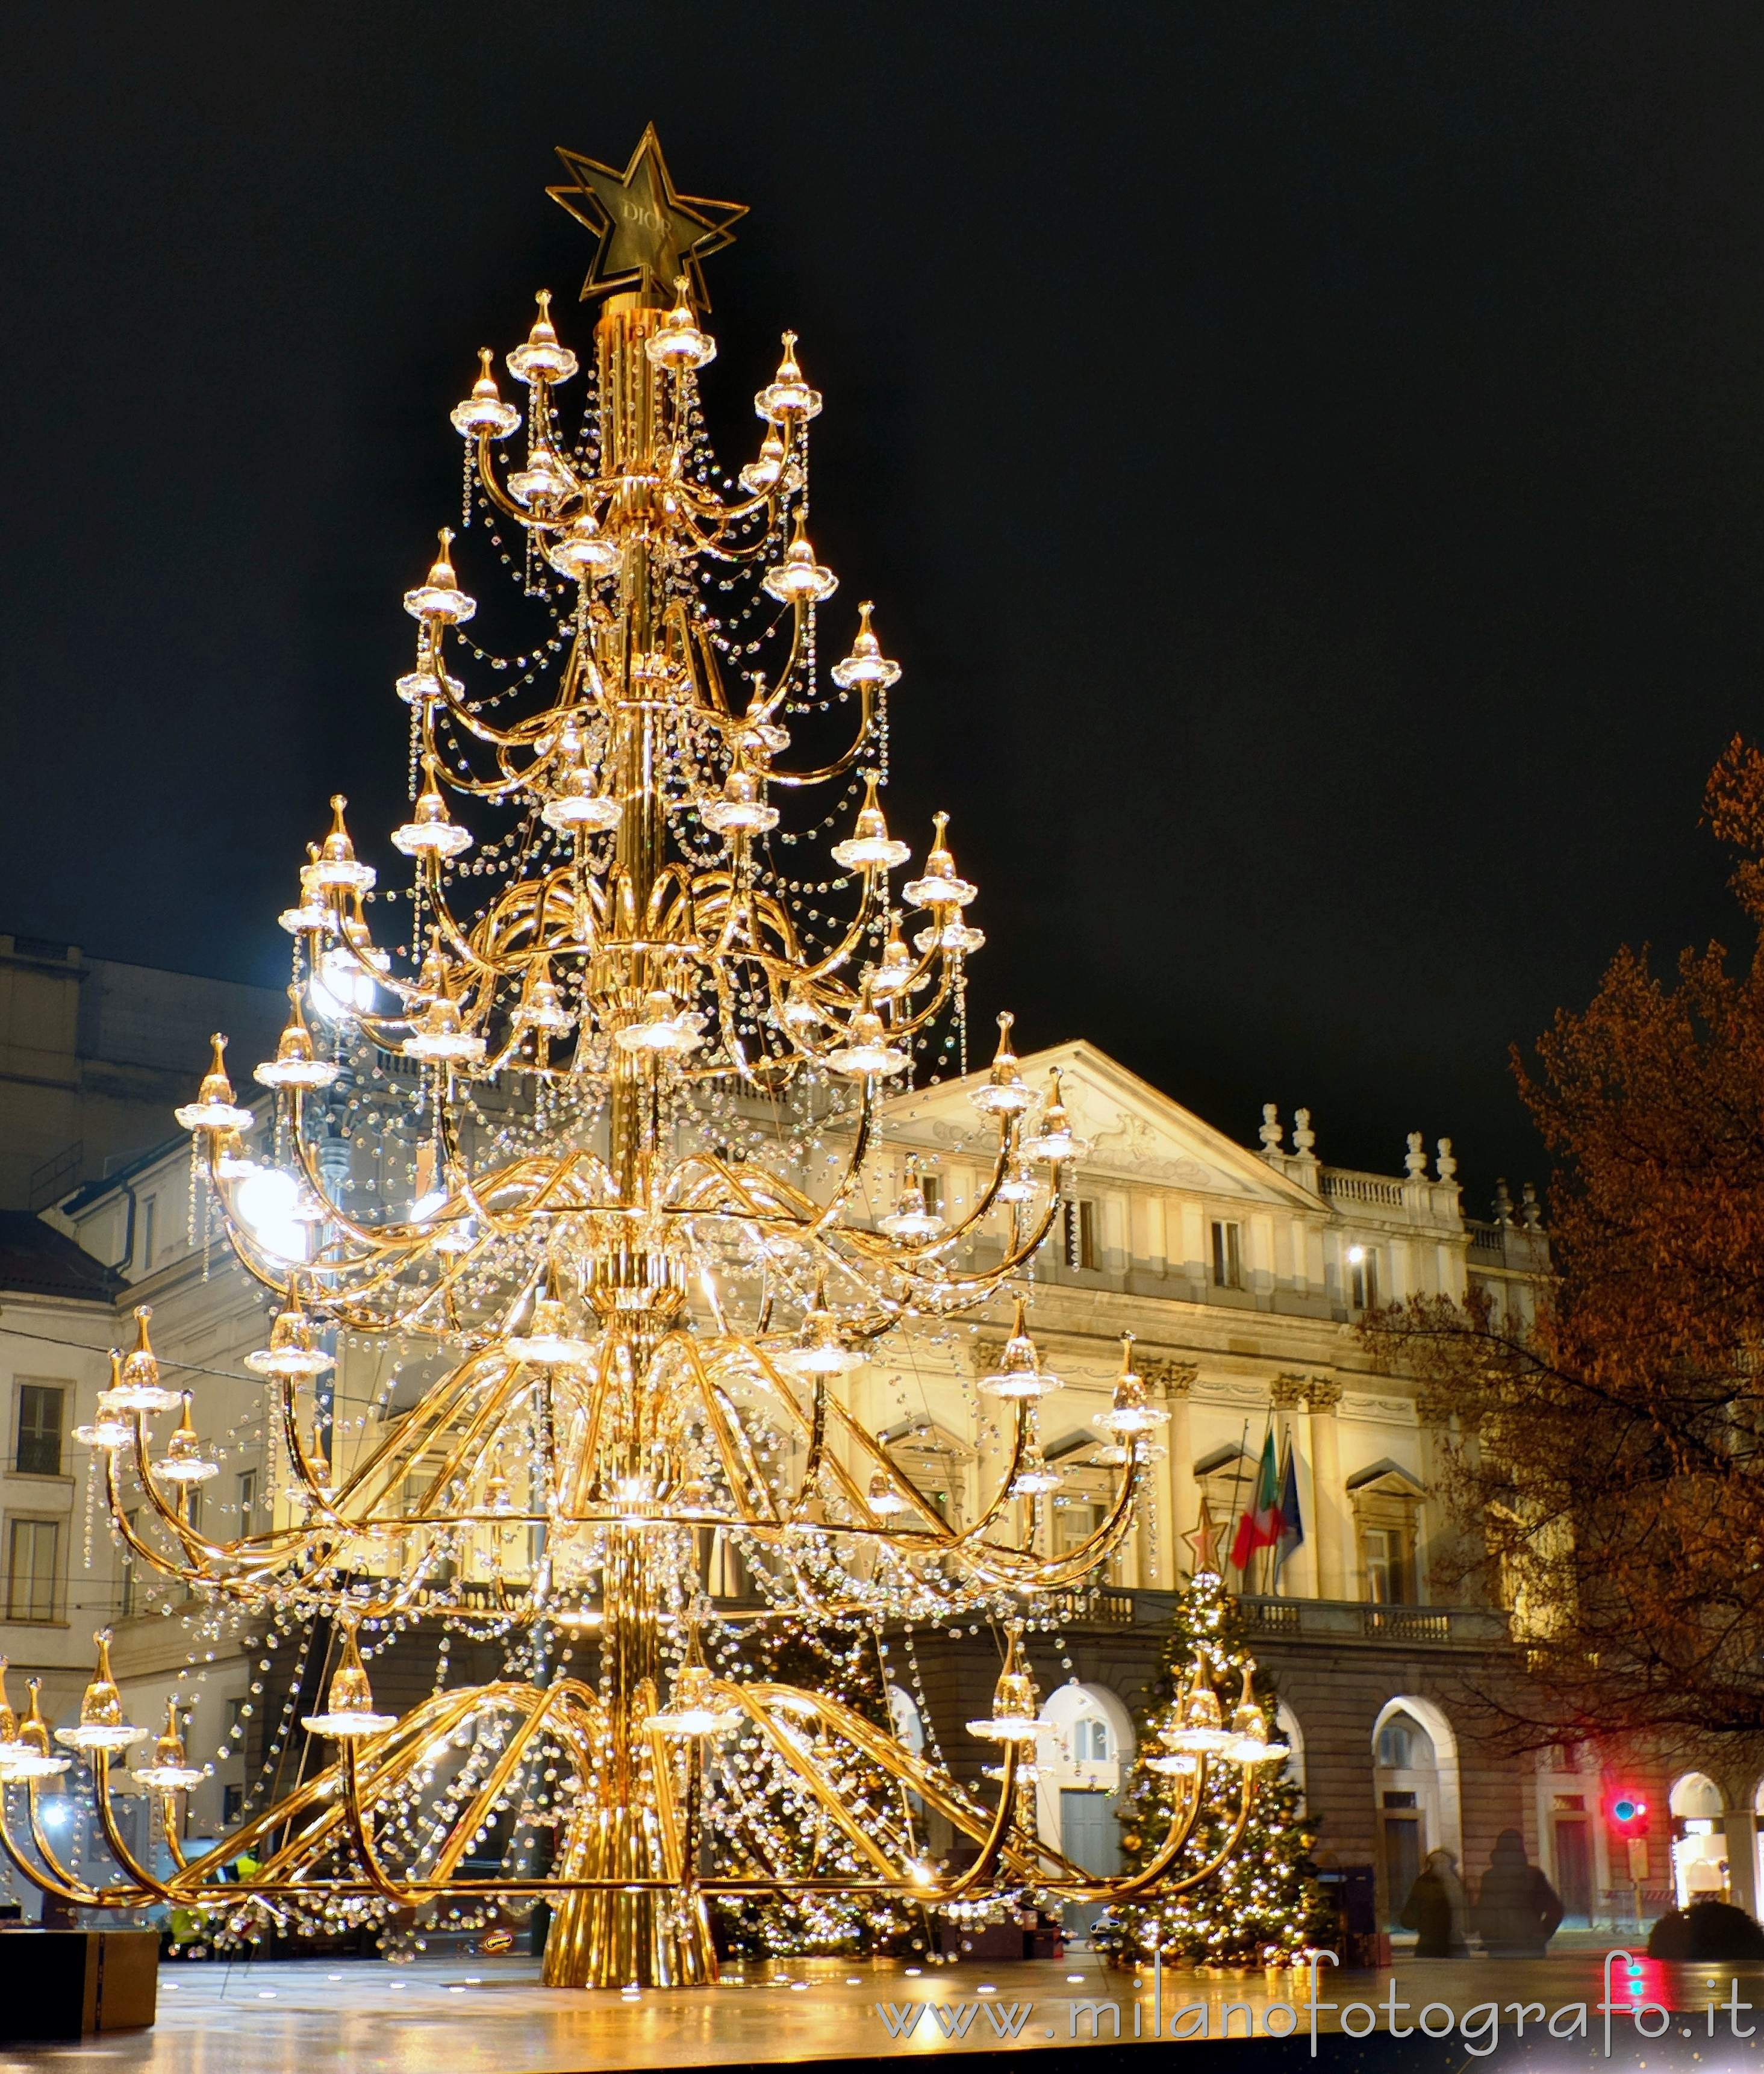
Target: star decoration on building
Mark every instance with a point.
(649, 235)
(1204, 1541)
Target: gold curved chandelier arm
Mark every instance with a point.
(998, 1566)
(52, 1877)
(112, 1835)
(841, 763)
(938, 1532)
(362, 1835)
(745, 1480)
(746, 1697)
(194, 1545)
(993, 1846)
(205, 1554)
(495, 1785)
(1226, 1851)
(315, 1493)
(582, 498)
(70, 1886)
(168, 1828)
(323, 1795)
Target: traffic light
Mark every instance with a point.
(1629, 1814)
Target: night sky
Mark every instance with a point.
(1309, 459)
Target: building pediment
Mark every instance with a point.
(1229, 1458)
(1135, 1132)
(927, 1436)
(1385, 1479)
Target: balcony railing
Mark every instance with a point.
(1300, 1620)
(1340, 1620)
(1097, 1606)
(1351, 1187)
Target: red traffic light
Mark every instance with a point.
(1626, 1811)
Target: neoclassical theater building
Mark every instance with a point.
(1241, 1270)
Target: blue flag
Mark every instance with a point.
(1291, 1524)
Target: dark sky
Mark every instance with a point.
(1309, 458)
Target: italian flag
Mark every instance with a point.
(1263, 1521)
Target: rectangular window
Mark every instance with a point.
(1075, 1519)
(232, 1807)
(1227, 1256)
(1363, 1274)
(41, 1406)
(149, 1218)
(1081, 1248)
(33, 1568)
(1384, 1567)
(933, 1186)
(248, 1502)
(1090, 1742)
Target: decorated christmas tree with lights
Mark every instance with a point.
(1262, 1904)
(581, 1198)
(846, 1665)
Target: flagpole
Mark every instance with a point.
(1237, 1483)
(1291, 1537)
(1277, 1561)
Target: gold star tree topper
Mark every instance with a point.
(649, 234)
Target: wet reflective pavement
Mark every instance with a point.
(447, 2015)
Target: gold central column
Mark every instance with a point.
(605, 1937)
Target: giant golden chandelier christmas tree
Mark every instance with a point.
(635, 1104)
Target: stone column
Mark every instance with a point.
(1154, 1547)
(1180, 1502)
(1334, 1571)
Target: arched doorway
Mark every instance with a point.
(1082, 1761)
(905, 1719)
(1414, 1774)
(1291, 1734)
(1699, 1870)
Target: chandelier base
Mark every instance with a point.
(605, 1938)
